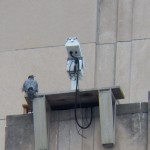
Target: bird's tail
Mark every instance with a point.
(31, 94)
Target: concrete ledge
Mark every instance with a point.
(132, 108)
(60, 115)
(22, 119)
(144, 107)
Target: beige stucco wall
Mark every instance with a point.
(33, 34)
(49, 67)
(114, 38)
(122, 51)
(36, 23)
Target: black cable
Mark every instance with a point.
(80, 131)
(76, 70)
(70, 72)
(75, 110)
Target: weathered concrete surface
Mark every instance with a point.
(2, 133)
(40, 123)
(148, 137)
(131, 130)
(19, 119)
(19, 133)
(133, 108)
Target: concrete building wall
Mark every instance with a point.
(2, 135)
(114, 37)
(32, 24)
(122, 35)
(131, 130)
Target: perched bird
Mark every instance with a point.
(30, 87)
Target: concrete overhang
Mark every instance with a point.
(87, 98)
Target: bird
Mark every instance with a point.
(30, 87)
